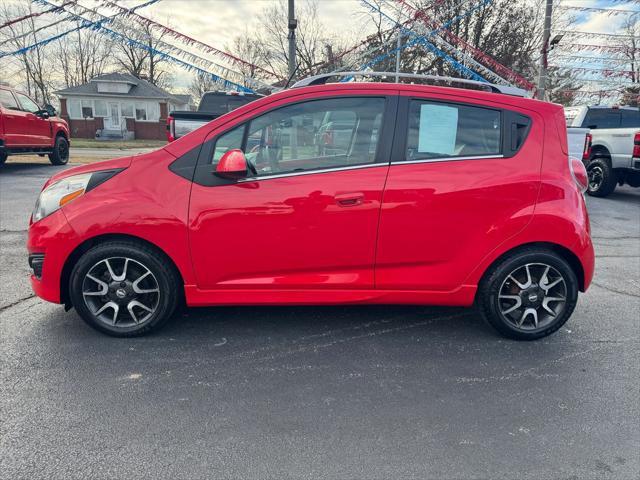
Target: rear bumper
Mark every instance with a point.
(50, 242)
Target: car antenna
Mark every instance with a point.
(295, 70)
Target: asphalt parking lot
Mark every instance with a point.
(332, 392)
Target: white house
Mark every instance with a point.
(119, 105)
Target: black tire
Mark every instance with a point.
(60, 154)
(602, 178)
(3, 157)
(493, 307)
(140, 257)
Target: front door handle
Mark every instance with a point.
(351, 199)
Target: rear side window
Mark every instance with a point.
(601, 118)
(443, 130)
(7, 100)
(630, 118)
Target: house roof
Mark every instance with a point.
(140, 88)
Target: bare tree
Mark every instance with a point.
(311, 39)
(33, 71)
(82, 56)
(631, 27)
(201, 84)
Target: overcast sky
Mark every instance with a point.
(216, 22)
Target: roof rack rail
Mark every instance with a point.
(324, 77)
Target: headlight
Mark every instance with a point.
(63, 191)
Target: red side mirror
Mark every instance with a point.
(232, 164)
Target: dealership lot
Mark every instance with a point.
(338, 392)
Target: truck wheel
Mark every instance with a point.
(3, 157)
(124, 289)
(602, 178)
(529, 294)
(60, 154)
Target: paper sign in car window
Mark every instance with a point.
(438, 129)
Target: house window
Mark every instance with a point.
(87, 109)
(100, 108)
(75, 111)
(127, 110)
(153, 111)
(141, 111)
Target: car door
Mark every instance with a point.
(15, 121)
(38, 132)
(307, 214)
(463, 178)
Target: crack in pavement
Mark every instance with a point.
(613, 290)
(17, 302)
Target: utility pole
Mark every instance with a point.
(542, 76)
(293, 23)
(398, 53)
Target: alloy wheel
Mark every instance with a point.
(596, 177)
(121, 292)
(532, 296)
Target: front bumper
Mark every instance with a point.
(49, 243)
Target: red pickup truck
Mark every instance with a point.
(25, 128)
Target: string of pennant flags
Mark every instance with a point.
(474, 52)
(423, 41)
(192, 58)
(233, 59)
(419, 28)
(100, 27)
(32, 15)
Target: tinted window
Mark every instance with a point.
(315, 135)
(438, 130)
(630, 118)
(27, 104)
(602, 118)
(7, 100)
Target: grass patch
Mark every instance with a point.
(121, 144)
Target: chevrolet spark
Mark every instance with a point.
(369, 193)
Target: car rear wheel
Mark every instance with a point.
(60, 154)
(3, 157)
(529, 294)
(124, 289)
(602, 178)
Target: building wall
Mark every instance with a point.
(86, 128)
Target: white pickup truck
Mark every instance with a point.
(615, 145)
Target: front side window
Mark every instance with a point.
(7, 100)
(27, 104)
(313, 135)
(443, 130)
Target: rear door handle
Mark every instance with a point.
(351, 199)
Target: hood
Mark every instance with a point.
(122, 162)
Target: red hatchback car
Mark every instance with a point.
(380, 193)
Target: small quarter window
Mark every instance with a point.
(227, 141)
(443, 130)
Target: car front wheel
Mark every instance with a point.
(60, 154)
(124, 289)
(529, 294)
